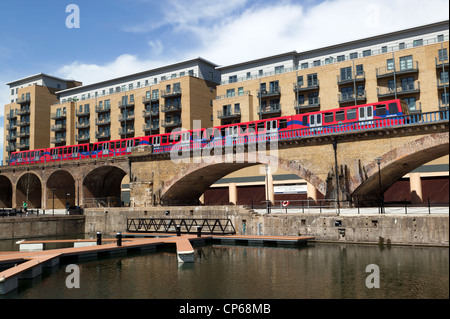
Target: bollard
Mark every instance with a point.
(199, 231)
(178, 230)
(119, 239)
(99, 238)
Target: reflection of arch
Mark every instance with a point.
(5, 192)
(399, 162)
(29, 189)
(104, 185)
(62, 184)
(190, 183)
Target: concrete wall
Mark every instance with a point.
(396, 229)
(29, 227)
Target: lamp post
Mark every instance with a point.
(53, 204)
(336, 175)
(380, 194)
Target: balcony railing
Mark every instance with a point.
(171, 93)
(126, 117)
(128, 130)
(228, 114)
(307, 104)
(23, 134)
(276, 91)
(171, 108)
(11, 137)
(10, 116)
(351, 97)
(82, 112)
(23, 111)
(57, 116)
(105, 121)
(103, 108)
(58, 127)
(25, 100)
(271, 109)
(150, 99)
(399, 90)
(309, 86)
(23, 144)
(82, 137)
(441, 63)
(360, 77)
(148, 127)
(172, 122)
(122, 104)
(58, 140)
(399, 70)
(82, 125)
(23, 123)
(441, 83)
(443, 105)
(103, 134)
(11, 148)
(152, 112)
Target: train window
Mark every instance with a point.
(380, 110)
(261, 126)
(164, 139)
(283, 124)
(305, 120)
(242, 129)
(328, 118)
(340, 116)
(252, 128)
(393, 108)
(351, 114)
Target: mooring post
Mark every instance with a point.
(119, 239)
(199, 231)
(99, 238)
(178, 230)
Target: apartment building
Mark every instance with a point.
(409, 64)
(27, 117)
(151, 102)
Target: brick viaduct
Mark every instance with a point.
(155, 179)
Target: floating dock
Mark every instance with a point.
(29, 261)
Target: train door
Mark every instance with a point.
(231, 135)
(366, 114)
(156, 141)
(272, 129)
(130, 144)
(185, 138)
(315, 122)
(105, 149)
(55, 154)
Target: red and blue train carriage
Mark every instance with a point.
(305, 124)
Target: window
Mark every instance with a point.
(380, 110)
(312, 79)
(390, 64)
(443, 56)
(401, 46)
(346, 73)
(407, 83)
(300, 80)
(230, 93)
(393, 108)
(340, 116)
(304, 65)
(411, 102)
(444, 77)
(260, 73)
(237, 108)
(359, 69)
(274, 87)
(12, 92)
(177, 87)
(261, 126)
(279, 69)
(329, 60)
(406, 62)
(351, 114)
(155, 94)
(367, 53)
(328, 118)
(353, 55)
(316, 63)
(240, 91)
(232, 79)
(249, 75)
(341, 58)
(384, 49)
(130, 86)
(440, 37)
(417, 43)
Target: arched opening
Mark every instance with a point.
(102, 187)
(29, 190)
(5, 192)
(60, 190)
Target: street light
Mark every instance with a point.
(380, 194)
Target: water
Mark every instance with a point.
(316, 271)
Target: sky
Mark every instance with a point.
(120, 37)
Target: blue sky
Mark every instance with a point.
(119, 37)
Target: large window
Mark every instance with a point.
(346, 73)
(406, 63)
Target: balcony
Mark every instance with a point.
(171, 93)
(126, 117)
(79, 113)
(82, 138)
(128, 130)
(11, 137)
(24, 145)
(150, 99)
(351, 97)
(10, 116)
(25, 100)
(105, 121)
(171, 122)
(171, 108)
(11, 148)
(11, 127)
(102, 134)
(307, 105)
(23, 111)
(441, 83)
(23, 134)
(399, 90)
(82, 125)
(147, 127)
(275, 91)
(152, 112)
(271, 109)
(361, 77)
(385, 71)
(58, 116)
(443, 105)
(23, 122)
(415, 108)
(102, 109)
(58, 140)
(228, 114)
(441, 63)
(123, 104)
(310, 86)
(58, 127)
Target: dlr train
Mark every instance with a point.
(312, 123)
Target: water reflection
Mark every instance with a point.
(238, 272)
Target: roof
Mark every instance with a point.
(37, 76)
